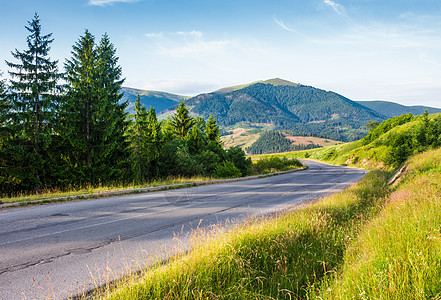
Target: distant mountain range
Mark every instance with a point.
(159, 100)
(280, 104)
(392, 109)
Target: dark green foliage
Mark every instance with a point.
(275, 142)
(274, 163)
(4, 110)
(81, 135)
(212, 130)
(195, 140)
(237, 156)
(94, 121)
(209, 161)
(227, 170)
(385, 127)
(270, 142)
(32, 94)
(402, 144)
(139, 140)
(182, 121)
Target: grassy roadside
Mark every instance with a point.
(371, 241)
(274, 257)
(397, 255)
(88, 192)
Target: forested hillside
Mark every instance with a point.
(298, 108)
(276, 142)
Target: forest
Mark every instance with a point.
(276, 142)
(71, 129)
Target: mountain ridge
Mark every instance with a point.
(392, 109)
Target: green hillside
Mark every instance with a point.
(386, 146)
(298, 108)
(274, 81)
(391, 109)
(158, 100)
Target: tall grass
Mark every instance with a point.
(90, 190)
(278, 257)
(398, 255)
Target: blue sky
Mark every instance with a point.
(362, 49)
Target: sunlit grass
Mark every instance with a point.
(95, 191)
(398, 255)
(277, 257)
(371, 241)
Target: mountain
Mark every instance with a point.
(391, 109)
(158, 100)
(284, 105)
(274, 81)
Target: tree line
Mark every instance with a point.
(71, 129)
(276, 142)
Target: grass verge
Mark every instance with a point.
(372, 241)
(398, 254)
(277, 257)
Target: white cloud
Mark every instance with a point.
(194, 33)
(182, 44)
(109, 2)
(153, 35)
(339, 9)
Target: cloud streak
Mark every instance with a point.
(282, 24)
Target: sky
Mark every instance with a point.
(362, 49)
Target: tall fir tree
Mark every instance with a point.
(78, 108)
(212, 130)
(182, 121)
(112, 151)
(33, 95)
(137, 137)
(155, 143)
(94, 120)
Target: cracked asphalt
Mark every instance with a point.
(59, 250)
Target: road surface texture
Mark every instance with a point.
(59, 250)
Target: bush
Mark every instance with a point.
(237, 156)
(274, 164)
(227, 170)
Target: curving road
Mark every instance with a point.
(61, 249)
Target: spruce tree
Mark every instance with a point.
(137, 133)
(33, 95)
(182, 121)
(212, 130)
(155, 143)
(112, 151)
(95, 121)
(80, 105)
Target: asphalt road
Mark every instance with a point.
(59, 250)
